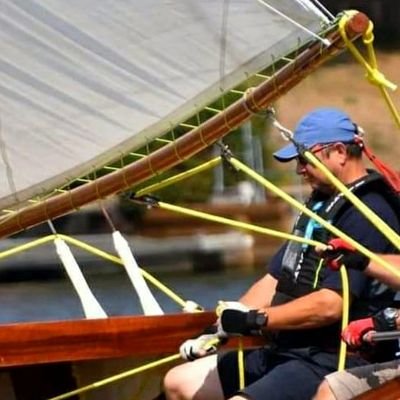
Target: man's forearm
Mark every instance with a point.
(381, 273)
(320, 308)
(261, 293)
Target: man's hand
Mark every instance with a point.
(202, 346)
(354, 333)
(339, 252)
(236, 319)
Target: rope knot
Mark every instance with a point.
(377, 78)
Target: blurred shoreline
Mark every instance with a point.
(160, 241)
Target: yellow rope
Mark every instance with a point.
(385, 229)
(97, 252)
(26, 246)
(373, 74)
(337, 232)
(123, 375)
(237, 224)
(321, 263)
(345, 315)
(177, 178)
(117, 260)
(240, 355)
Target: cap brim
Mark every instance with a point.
(286, 153)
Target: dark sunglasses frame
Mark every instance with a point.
(303, 161)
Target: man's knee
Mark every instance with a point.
(173, 383)
(324, 392)
(194, 380)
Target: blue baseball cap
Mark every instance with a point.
(321, 126)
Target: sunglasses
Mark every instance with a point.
(303, 161)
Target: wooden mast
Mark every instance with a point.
(191, 143)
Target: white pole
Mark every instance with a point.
(91, 306)
(147, 300)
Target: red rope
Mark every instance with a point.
(391, 176)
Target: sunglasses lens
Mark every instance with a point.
(301, 160)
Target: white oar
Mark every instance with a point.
(91, 306)
(147, 300)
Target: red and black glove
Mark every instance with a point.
(340, 252)
(354, 333)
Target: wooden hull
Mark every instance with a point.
(43, 359)
(49, 342)
(388, 391)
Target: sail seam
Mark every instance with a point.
(4, 156)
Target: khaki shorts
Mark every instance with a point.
(354, 381)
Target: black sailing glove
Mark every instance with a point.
(237, 322)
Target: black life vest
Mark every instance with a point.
(302, 269)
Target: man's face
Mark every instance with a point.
(314, 177)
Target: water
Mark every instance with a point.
(56, 300)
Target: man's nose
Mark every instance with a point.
(300, 168)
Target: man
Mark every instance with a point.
(344, 385)
(297, 303)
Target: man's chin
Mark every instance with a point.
(324, 188)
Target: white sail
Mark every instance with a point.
(83, 82)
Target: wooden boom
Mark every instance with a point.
(192, 142)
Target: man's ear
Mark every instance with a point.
(340, 147)
(341, 152)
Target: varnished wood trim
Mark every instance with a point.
(141, 336)
(388, 391)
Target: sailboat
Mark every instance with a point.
(98, 98)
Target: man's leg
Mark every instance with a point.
(294, 379)
(196, 380)
(324, 392)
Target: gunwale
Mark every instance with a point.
(32, 343)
